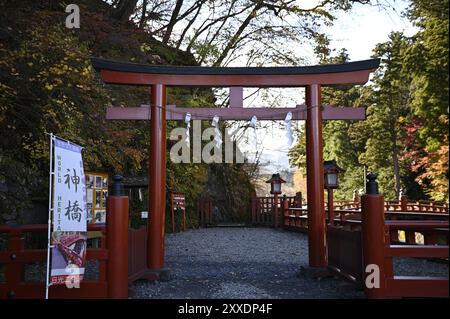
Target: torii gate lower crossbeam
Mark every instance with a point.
(312, 78)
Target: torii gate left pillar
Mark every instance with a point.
(157, 178)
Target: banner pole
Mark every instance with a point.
(50, 211)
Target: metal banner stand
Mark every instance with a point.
(50, 215)
(51, 208)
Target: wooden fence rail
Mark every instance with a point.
(346, 212)
(379, 251)
(16, 257)
(263, 208)
(403, 205)
(296, 219)
(112, 257)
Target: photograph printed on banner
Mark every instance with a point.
(68, 256)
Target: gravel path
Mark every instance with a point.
(239, 263)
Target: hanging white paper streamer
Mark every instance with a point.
(217, 136)
(289, 136)
(253, 124)
(253, 121)
(187, 120)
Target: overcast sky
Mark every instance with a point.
(358, 31)
(364, 26)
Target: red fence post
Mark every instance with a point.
(403, 203)
(330, 206)
(14, 271)
(285, 212)
(410, 236)
(117, 241)
(275, 210)
(374, 240)
(298, 200)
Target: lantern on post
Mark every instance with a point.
(275, 184)
(331, 174)
(331, 180)
(275, 189)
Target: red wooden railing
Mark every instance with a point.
(112, 255)
(296, 219)
(16, 256)
(263, 208)
(413, 286)
(346, 212)
(402, 205)
(378, 251)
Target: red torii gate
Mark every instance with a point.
(310, 77)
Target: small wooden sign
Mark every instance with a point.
(178, 200)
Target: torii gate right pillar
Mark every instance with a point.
(314, 169)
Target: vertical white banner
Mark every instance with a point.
(69, 215)
(69, 190)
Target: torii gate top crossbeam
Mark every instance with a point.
(114, 72)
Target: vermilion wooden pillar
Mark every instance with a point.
(117, 241)
(314, 171)
(157, 178)
(373, 237)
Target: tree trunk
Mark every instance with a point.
(144, 11)
(190, 23)
(172, 22)
(393, 117)
(124, 10)
(238, 33)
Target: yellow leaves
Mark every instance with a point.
(48, 86)
(145, 48)
(50, 113)
(58, 70)
(85, 71)
(6, 90)
(30, 63)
